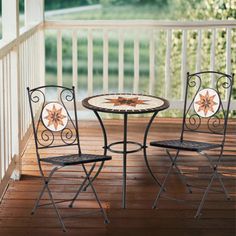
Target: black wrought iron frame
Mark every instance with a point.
(191, 120)
(48, 137)
(192, 123)
(140, 146)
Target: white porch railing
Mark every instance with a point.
(159, 69)
(19, 67)
(166, 67)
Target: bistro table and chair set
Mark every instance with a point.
(55, 125)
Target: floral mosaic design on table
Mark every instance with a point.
(206, 102)
(126, 101)
(54, 116)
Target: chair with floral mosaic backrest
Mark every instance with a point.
(206, 110)
(55, 126)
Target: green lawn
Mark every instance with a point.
(131, 12)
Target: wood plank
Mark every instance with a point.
(172, 218)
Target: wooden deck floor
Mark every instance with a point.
(172, 218)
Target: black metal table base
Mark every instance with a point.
(140, 147)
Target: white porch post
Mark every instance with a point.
(34, 14)
(10, 19)
(10, 31)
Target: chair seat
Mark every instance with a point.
(75, 159)
(185, 145)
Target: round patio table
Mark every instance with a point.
(126, 103)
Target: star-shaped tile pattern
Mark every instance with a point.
(55, 117)
(206, 103)
(122, 101)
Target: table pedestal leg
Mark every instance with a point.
(124, 161)
(145, 147)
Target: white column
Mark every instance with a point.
(34, 11)
(10, 31)
(10, 19)
(34, 14)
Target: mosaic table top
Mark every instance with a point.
(125, 103)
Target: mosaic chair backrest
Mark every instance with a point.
(207, 103)
(54, 116)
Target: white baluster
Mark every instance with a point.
(105, 61)
(167, 64)
(228, 55)
(199, 50)
(136, 64)
(74, 60)
(212, 59)
(184, 63)
(59, 58)
(2, 143)
(151, 63)
(121, 61)
(90, 63)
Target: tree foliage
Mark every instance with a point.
(161, 3)
(58, 4)
(203, 9)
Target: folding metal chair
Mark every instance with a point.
(55, 125)
(206, 110)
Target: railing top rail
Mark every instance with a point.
(73, 24)
(26, 32)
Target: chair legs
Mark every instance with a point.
(214, 175)
(214, 167)
(78, 192)
(162, 188)
(94, 191)
(46, 183)
(173, 163)
(46, 187)
(179, 172)
(96, 196)
(223, 186)
(204, 197)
